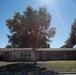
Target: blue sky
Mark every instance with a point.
(63, 14)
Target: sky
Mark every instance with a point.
(63, 15)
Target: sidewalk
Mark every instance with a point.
(66, 73)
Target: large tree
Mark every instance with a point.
(30, 29)
(71, 41)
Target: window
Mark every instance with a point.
(55, 54)
(25, 54)
(29, 54)
(12, 54)
(44, 53)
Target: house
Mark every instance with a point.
(27, 54)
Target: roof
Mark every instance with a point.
(38, 49)
(56, 49)
(14, 49)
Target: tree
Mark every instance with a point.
(31, 29)
(71, 41)
(68, 44)
(8, 46)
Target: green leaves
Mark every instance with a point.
(31, 29)
(71, 41)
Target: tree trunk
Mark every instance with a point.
(35, 60)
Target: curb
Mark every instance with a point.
(67, 72)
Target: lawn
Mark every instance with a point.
(60, 66)
(57, 66)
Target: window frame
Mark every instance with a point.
(26, 54)
(13, 54)
(55, 54)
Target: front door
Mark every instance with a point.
(44, 55)
(65, 56)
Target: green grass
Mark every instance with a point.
(60, 66)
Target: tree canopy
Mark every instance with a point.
(30, 29)
(71, 41)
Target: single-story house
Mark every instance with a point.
(27, 54)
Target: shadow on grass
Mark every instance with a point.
(14, 69)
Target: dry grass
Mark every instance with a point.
(8, 63)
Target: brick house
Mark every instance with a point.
(27, 54)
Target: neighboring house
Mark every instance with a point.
(27, 54)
